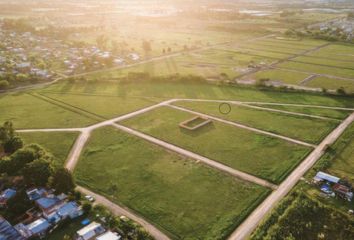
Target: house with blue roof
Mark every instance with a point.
(6, 195)
(50, 204)
(8, 232)
(38, 228)
(70, 210)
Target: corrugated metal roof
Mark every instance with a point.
(327, 177)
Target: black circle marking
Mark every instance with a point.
(224, 108)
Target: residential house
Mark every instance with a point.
(38, 228)
(6, 195)
(109, 236)
(8, 232)
(71, 210)
(34, 194)
(50, 204)
(343, 192)
(89, 232)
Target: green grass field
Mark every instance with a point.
(331, 113)
(343, 163)
(57, 143)
(283, 76)
(181, 197)
(167, 90)
(26, 111)
(306, 67)
(336, 51)
(260, 155)
(331, 83)
(105, 106)
(301, 128)
(325, 61)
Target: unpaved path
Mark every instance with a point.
(245, 127)
(207, 161)
(122, 211)
(250, 224)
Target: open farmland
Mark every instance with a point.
(306, 129)
(278, 75)
(330, 83)
(272, 158)
(176, 194)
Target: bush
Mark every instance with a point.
(4, 84)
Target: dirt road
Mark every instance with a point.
(250, 224)
(122, 211)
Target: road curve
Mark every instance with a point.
(250, 224)
(122, 211)
(75, 152)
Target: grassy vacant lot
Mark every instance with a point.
(105, 106)
(263, 156)
(305, 129)
(331, 113)
(342, 163)
(330, 83)
(284, 76)
(183, 198)
(167, 90)
(27, 111)
(325, 61)
(57, 143)
(307, 67)
(336, 51)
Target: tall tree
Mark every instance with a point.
(62, 181)
(37, 172)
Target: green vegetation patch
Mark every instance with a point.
(301, 217)
(167, 89)
(57, 143)
(183, 198)
(105, 106)
(331, 83)
(267, 157)
(26, 111)
(322, 112)
(284, 76)
(301, 128)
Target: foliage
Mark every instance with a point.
(37, 173)
(4, 84)
(17, 206)
(62, 180)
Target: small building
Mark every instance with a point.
(109, 236)
(343, 192)
(8, 232)
(321, 177)
(37, 228)
(24, 67)
(35, 194)
(50, 204)
(71, 210)
(6, 195)
(89, 232)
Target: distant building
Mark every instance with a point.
(50, 204)
(90, 231)
(34, 194)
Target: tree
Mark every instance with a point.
(87, 207)
(13, 144)
(62, 181)
(17, 205)
(102, 41)
(4, 84)
(37, 172)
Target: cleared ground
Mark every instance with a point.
(57, 143)
(298, 127)
(260, 155)
(182, 197)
